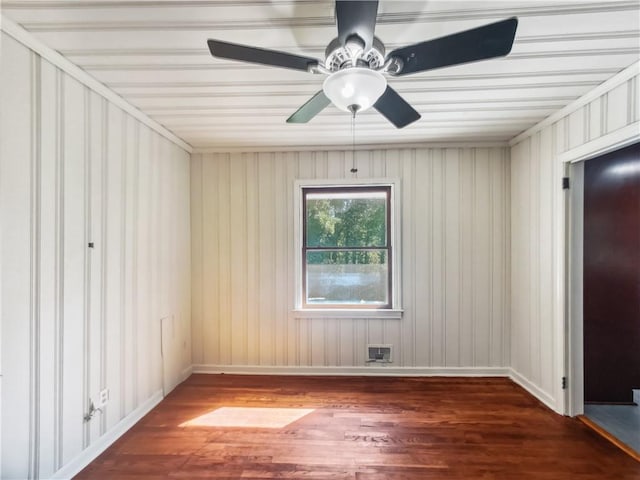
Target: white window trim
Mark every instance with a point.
(395, 312)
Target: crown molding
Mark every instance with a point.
(27, 39)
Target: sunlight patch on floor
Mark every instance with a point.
(248, 417)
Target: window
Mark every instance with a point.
(346, 250)
(345, 247)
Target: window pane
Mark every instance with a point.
(346, 219)
(347, 277)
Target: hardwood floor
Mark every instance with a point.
(364, 428)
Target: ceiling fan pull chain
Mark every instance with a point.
(354, 170)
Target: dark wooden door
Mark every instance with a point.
(612, 276)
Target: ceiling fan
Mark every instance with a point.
(357, 67)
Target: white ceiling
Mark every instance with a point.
(154, 54)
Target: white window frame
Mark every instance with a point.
(396, 259)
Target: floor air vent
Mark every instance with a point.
(379, 353)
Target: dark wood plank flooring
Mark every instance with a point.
(364, 428)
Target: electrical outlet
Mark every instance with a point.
(103, 398)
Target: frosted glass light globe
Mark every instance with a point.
(354, 86)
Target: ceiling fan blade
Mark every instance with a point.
(314, 106)
(261, 56)
(488, 41)
(356, 18)
(395, 108)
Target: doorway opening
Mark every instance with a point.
(605, 294)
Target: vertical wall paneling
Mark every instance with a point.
(237, 272)
(58, 123)
(182, 178)
(408, 244)
(507, 229)
(517, 254)
(153, 344)
(280, 259)
(210, 289)
(35, 287)
(451, 227)
(197, 268)
(75, 285)
(113, 227)
(104, 240)
(595, 119)
(534, 250)
(77, 169)
(131, 179)
(422, 262)
(252, 233)
(538, 228)
(225, 262)
(292, 323)
(454, 231)
(619, 105)
(48, 268)
(467, 354)
(95, 145)
(16, 190)
(266, 194)
(144, 265)
(438, 256)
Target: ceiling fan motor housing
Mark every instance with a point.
(339, 56)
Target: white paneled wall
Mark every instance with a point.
(538, 225)
(76, 169)
(455, 254)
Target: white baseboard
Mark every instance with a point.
(534, 390)
(376, 370)
(74, 466)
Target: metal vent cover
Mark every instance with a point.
(379, 353)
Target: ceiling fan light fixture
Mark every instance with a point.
(354, 86)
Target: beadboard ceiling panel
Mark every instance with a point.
(154, 54)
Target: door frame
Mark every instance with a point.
(574, 336)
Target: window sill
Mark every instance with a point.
(371, 313)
